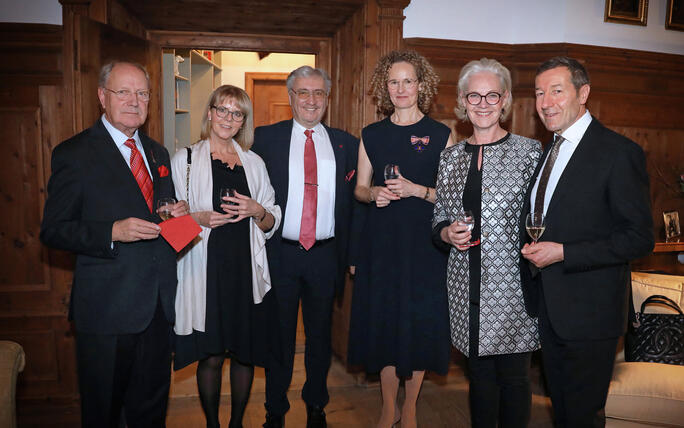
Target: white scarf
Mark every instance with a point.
(192, 264)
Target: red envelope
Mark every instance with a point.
(179, 231)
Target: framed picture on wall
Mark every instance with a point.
(674, 15)
(633, 12)
(672, 228)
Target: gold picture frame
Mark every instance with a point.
(634, 12)
(672, 227)
(674, 15)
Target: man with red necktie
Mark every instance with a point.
(101, 205)
(312, 169)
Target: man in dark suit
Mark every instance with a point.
(101, 205)
(592, 186)
(312, 169)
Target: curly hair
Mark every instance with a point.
(427, 79)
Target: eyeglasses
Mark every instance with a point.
(407, 83)
(492, 98)
(223, 112)
(304, 94)
(125, 94)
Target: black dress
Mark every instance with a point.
(399, 313)
(233, 323)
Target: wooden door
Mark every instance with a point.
(269, 97)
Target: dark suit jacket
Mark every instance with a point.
(600, 212)
(115, 290)
(272, 143)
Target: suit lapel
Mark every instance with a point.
(283, 154)
(340, 152)
(148, 148)
(581, 156)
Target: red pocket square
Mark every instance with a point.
(163, 171)
(350, 174)
(179, 231)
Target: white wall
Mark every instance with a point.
(235, 64)
(538, 21)
(32, 11)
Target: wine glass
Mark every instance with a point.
(466, 217)
(227, 192)
(535, 225)
(164, 207)
(391, 171)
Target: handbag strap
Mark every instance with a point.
(187, 175)
(657, 298)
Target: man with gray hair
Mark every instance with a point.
(101, 205)
(312, 169)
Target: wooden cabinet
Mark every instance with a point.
(188, 78)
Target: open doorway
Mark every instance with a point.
(190, 75)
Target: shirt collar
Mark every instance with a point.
(576, 131)
(118, 136)
(301, 128)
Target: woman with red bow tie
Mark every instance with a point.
(399, 324)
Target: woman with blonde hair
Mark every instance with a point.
(487, 174)
(223, 303)
(399, 324)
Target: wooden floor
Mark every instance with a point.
(354, 402)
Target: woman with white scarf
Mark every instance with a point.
(223, 303)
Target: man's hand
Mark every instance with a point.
(543, 253)
(134, 229)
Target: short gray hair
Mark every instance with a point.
(479, 66)
(306, 71)
(106, 70)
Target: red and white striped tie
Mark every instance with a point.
(140, 173)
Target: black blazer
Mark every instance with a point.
(115, 290)
(272, 143)
(600, 211)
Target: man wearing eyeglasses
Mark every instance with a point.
(101, 205)
(312, 168)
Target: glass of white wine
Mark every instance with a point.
(535, 224)
(466, 217)
(391, 171)
(164, 207)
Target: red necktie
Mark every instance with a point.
(307, 230)
(140, 173)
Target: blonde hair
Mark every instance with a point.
(484, 65)
(245, 136)
(427, 79)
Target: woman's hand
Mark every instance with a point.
(457, 234)
(404, 188)
(382, 196)
(211, 219)
(243, 207)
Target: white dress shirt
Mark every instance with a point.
(120, 138)
(325, 168)
(572, 136)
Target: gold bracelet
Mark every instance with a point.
(263, 216)
(427, 193)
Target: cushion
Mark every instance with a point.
(650, 393)
(648, 284)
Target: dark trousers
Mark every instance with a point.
(578, 374)
(309, 276)
(499, 384)
(129, 371)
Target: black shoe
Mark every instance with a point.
(273, 421)
(315, 417)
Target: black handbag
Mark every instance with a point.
(656, 338)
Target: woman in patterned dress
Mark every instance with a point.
(488, 174)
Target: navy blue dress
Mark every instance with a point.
(399, 314)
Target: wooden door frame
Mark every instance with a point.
(321, 47)
(251, 76)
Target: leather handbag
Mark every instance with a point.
(656, 338)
